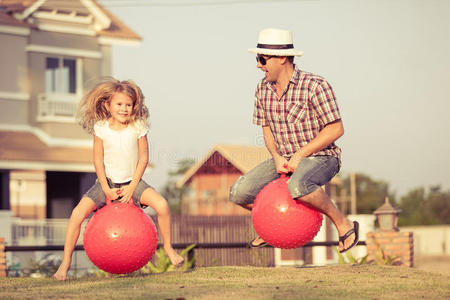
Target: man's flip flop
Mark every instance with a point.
(354, 230)
(260, 245)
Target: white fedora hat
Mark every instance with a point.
(276, 42)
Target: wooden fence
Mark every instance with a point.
(220, 230)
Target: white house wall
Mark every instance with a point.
(14, 62)
(106, 68)
(63, 40)
(13, 112)
(14, 96)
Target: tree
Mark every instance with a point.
(421, 207)
(370, 193)
(412, 206)
(438, 205)
(170, 191)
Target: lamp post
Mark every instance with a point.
(387, 216)
(394, 246)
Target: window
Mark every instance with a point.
(60, 75)
(208, 196)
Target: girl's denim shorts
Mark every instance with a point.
(96, 193)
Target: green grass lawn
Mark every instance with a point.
(330, 282)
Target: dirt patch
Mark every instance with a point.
(438, 264)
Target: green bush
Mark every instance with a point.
(163, 263)
(349, 258)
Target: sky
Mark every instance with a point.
(388, 62)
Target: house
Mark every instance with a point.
(206, 189)
(51, 53)
(210, 179)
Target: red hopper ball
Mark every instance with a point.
(282, 221)
(120, 238)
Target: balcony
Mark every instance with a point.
(54, 107)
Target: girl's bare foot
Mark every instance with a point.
(61, 274)
(174, 257)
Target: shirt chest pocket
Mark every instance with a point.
(296, 113)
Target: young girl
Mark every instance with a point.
(114, 111)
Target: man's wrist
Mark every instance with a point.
(301, 153)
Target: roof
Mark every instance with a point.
(15, 5)
(6, 19)
(118, 29)
(25, 148)
(87, 12)
(244, 158)
(387, 208)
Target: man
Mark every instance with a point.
(300, 122)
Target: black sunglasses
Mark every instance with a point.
(262, 60)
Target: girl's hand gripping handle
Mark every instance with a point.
(108, 201)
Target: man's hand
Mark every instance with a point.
(294, 161)
(281, 164)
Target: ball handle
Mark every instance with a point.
(284, 175)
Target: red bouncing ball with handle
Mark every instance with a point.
(282, 221)
(120, 238)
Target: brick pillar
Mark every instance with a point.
(397, 246)
(2, 258)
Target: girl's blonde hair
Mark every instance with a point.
(92, 107)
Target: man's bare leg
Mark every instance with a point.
(320, 200)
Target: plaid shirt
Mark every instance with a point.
(305, 107)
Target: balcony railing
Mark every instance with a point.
(40, 232)
(57, 107)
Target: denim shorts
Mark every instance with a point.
(96, 193)
(311, 173)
